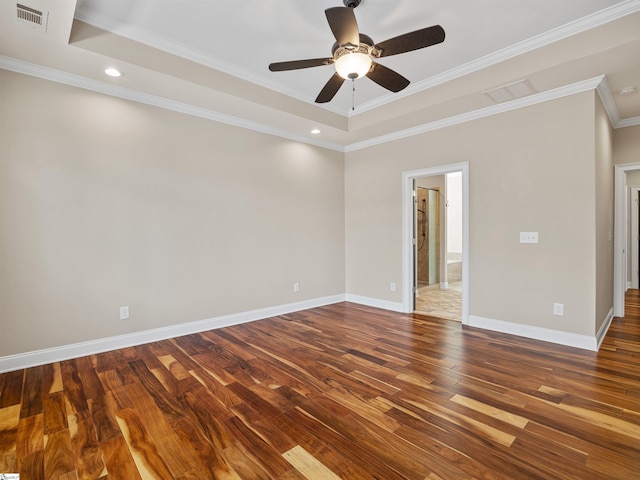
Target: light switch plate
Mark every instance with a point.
(528, 237)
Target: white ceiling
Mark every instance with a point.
(214, 54)
(242, 38)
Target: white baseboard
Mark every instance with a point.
(538, 333)
(65, 352)
(374, 302)
(629, 285)
(444, 285)
(604, 328)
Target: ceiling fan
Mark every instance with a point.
(354, 53)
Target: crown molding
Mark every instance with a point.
(565, 31)
(192, 54)
(198, 56)
(597, 83)
(554, 94)
(606, 95)
(604, 92)
(629, 122)
(46, 73)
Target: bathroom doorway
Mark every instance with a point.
(438, 246)
(436, 239)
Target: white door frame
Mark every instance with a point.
(634, 237)
(620, 237)
(407, 232)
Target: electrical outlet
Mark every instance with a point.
(558, 309)
(296, 287)
(124, 313)
(392, 286)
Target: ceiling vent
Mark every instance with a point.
(514, 90)
(36, 19)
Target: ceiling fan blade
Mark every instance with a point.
(342, 22)
(412, 41)
(298, 64)
(330, 89)
(387, 78)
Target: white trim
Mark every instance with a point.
(56, 354)
(634, 237)
(535, 99)
(204, 58)
(604, 328)
(46, 73)
(407, 232)
(538, 333)
(619, 236)
(192, 54)
(609, 103)
(628, 122)
(374, 302)
(581, 25)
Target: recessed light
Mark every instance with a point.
(315, 131)
(113, 72)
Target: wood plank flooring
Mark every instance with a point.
(338, 392)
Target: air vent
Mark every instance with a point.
(518, 89)
(32, 17)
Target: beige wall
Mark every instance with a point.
(531, 169)
(106, 203)
(626, 145)
(604, 213)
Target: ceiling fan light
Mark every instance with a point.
(353, 65)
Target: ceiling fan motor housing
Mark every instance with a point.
(351, 3)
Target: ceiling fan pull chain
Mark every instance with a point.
(353, 94)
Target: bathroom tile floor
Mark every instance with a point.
(443, 303)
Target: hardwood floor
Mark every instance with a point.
(342, 391)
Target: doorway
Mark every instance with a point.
(437, 251)
(621, 254)
(416, 283)
(634, 236)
